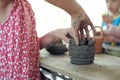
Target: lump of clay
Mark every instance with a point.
(57, 47)
(83, 53)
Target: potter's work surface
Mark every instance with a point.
(105, 67)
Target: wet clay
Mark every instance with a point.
(57, 47)
(83, 53)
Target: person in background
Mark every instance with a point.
(19, 43)
(111, 23)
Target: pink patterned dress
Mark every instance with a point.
(19, 47)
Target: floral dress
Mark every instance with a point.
(19, 47)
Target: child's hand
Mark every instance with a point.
(112, 34)
(107, 18)
(81, 23)
(114, 31)
(62, 34)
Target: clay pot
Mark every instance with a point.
(99, 39)
(83, 53)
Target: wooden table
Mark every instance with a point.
(105, 67)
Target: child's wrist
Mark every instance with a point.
(76, 19)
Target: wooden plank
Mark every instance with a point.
(105, 67)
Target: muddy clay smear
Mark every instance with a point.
(83, 53)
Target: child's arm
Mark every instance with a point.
(58, 34)
(112, 34)
(79, 18)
